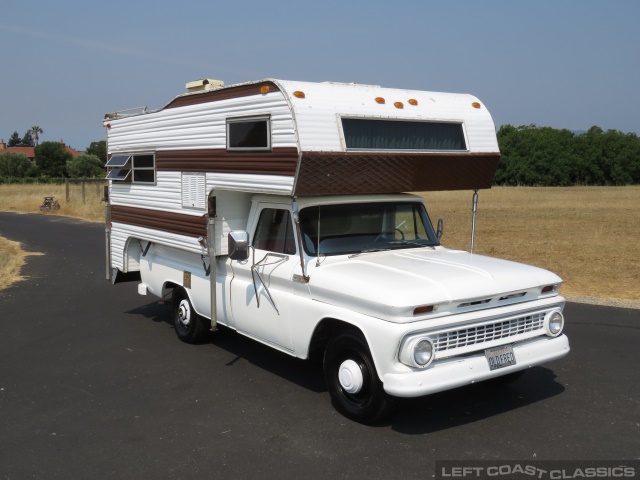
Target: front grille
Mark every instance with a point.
(487, 332)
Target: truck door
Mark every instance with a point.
(261, 289)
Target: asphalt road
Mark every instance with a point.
(95, 384)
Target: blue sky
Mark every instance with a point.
(565, 64)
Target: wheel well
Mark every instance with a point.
(326, 329)
(168, 288)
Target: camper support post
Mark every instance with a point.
(473, 218)
(107, 230)
(211, 249)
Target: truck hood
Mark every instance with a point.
(389, 285)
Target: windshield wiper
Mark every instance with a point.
(371, 250)
(413, 244)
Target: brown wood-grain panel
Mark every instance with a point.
(221, 94)
(279, 161)
(189, 225)
(323, 173)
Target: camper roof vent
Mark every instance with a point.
(204, 84)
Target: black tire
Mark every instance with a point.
(368, 403)
(190, 327)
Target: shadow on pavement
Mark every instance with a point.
(413, 416)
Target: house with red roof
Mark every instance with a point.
(30, 151)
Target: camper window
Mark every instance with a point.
(249, 133)
(368, 134)
(132, 168)
(144, 169)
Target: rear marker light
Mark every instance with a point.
(548, 288)
(398, 105)
(413, 101)
(264, 89)
(475, 105)
(379, 100)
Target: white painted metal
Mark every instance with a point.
(350, 376)
(232, 214)
(311, 123)
(318, 113)
(199, 126)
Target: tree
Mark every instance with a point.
(27, 140)
(51, 158)
(85, 166)
(99, 149)
(36, 130)
(14, 140)
(16, 165)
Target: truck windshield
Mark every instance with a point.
(361, 227)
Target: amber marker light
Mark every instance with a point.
(413, 101)
(379, 99)
(398, 105)
(475, 105)
(424, 309)
(298, 94)
(264, 89)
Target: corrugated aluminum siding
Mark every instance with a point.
(318, 113)
(200, 126)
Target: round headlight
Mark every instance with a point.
(555, 323)
(423, 353)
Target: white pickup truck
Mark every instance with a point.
(314, 251)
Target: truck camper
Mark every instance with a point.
(279, 209)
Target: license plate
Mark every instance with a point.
(500, 357)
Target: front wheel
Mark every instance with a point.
(352, 379)
(190, 327)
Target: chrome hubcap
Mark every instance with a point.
(184, 313)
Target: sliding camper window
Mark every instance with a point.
(368, 134)
(249, 133)
(138, 168)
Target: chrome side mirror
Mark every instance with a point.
(238, 245)
(440, 229)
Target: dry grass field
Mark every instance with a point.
(590, 236)
(28, 198)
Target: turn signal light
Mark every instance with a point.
(424, 309)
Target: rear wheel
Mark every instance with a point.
(352, 379)
(190, 327)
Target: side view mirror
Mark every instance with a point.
(440, 229)
(238, 245)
